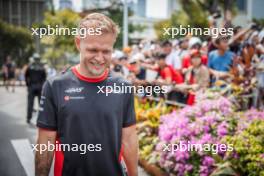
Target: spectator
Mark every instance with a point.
(220, 60)
(194, 44)
(167, 76)
(9, 69)
(197, 76)
(181, 53)
(171, 59)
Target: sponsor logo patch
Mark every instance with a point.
(74, 90)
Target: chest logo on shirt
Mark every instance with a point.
(74, 90)
(67, 98)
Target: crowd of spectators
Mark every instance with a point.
(190, 64)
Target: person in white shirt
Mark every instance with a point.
(171, 58)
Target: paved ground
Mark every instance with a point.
(16, 157)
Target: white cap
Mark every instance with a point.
(194, 40)
(117, 54)
(136, 57)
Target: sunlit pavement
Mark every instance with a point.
(16, 135)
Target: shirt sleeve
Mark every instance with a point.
(169, 60)
(129, 117)
(167, 73)
(186, 62)
(210, 55)
(47, 117)
(178, 77)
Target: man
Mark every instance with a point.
(75, 112)
(35, 77)
(9, 69)
(220, 60)
(172, 58)
(183, 49)
(168, 76)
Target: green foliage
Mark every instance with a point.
(259, 22)
(224, 169)
(117, 16)
(57, 45)
(15, 41)
(248, 155)
(193, 13)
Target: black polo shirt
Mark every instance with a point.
(71, 105)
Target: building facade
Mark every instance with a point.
(248, 10)
(23, 13)
(65, 4)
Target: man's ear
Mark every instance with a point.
(77, 40)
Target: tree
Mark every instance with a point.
(57, 46)
(195, 14)
(15, 41)
(114, 10)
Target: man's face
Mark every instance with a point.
(223, 45)
(196, 61)
(161, 63)
(95, 52)
(184, 44)
(167, 49)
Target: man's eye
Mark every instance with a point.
(92, 50)
(106, 51)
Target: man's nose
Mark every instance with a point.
(99, 57)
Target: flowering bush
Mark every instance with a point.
(204, 124)
(248, 155)
(211, 123)
(148, 114)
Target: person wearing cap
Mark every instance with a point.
(135, 68)
(194, 45)
(197, 76)
(35, 76)
(137, 72)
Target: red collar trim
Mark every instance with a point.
(87, 79)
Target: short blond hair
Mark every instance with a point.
(99, 20)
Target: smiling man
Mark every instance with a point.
(72, 113)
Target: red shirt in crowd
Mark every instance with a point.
(186, 61)
(191, 96)
(169, 72)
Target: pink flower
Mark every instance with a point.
(222, 129)
(208, 161)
